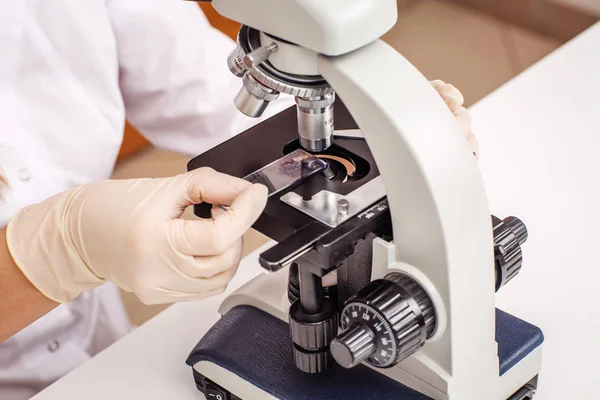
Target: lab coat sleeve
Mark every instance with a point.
(177, 89)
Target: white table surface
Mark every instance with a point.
(540, 157)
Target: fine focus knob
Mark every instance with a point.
(353, 346)
(387, 321)
(509, 235)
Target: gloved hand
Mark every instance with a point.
(129, 232)
(454, 99)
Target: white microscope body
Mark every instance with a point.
(440, 216)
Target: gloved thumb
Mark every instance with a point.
(203, 237)
(451, 95)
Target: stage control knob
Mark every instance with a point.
(384, 323)
(312, 335)
(509, 235)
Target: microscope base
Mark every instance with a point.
(259, 356)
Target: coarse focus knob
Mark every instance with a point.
(353, 346)
(387, 321)
(509, 235)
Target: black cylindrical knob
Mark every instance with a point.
(518, 228)
(424, 313)
(312, 362)
(311, 335)
(353, 346)
(509, 235)
(384, 323)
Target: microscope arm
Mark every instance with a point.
(442, 229)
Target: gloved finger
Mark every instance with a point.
(210, 186)
(202, 285)
(209, 266)
(451, 95)
(176, 297)
(464, 119)
(211, 237)
(438, 84)
(472, 139)
(184, 286)
(167, 296)
(217, 210)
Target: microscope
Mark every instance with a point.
(382, 280)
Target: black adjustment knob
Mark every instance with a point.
(312, 335)
(518, 228)
(384, 323)
(509, 235)
(353, 346)
(312, 362)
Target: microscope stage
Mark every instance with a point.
(302, 205)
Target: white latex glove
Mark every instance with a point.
(454, 99)
(129, 232)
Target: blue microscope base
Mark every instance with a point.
(257, 347)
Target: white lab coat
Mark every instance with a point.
(70, 72)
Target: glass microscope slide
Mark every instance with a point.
(287, 171)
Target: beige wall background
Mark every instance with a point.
(591, 6)
(559, 19)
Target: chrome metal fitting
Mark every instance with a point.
(235, 62)
(253, 98)
(315, 122)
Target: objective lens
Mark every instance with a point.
(253, 98)
(315, 122)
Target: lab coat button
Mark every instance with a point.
(53, 346)
(24, 175)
